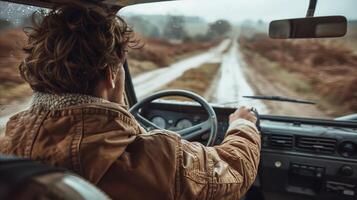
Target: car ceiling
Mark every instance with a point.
(109, 3)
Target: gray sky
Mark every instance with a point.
(239, 10)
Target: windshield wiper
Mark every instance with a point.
(278, 98)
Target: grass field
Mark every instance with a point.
(325, 70)
(12, 87)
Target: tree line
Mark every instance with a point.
(173, 27)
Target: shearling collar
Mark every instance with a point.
(49, 101)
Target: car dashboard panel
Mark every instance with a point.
(312, 160)
(299, 157)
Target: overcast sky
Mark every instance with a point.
(240, 10)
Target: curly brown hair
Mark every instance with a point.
(72, 46)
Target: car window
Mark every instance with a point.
(220, 49)
(15, 94)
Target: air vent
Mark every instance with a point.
(280, 141)
(316, 144)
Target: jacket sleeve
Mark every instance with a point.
(225, 171)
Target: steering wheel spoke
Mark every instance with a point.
(145, 122)
(195, 131)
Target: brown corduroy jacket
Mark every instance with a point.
(103, 143)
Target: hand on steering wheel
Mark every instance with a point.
(188, 133)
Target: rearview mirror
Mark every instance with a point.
(309, 27)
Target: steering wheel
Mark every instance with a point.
(190, 133)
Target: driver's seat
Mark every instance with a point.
(25, 179)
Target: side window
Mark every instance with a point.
(14, 92)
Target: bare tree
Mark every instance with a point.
(175, 28)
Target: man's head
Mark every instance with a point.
(78, 49)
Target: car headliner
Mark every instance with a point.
(109, 3)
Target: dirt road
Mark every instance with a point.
(231, 83)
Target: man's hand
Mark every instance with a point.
(243, 113)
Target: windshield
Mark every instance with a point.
(220, 49)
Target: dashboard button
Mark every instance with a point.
(347, 149)
(319, 169)
(346, 170)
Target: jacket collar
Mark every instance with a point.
(49, 101)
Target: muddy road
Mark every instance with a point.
(231, 84)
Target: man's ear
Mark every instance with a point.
(110, 78)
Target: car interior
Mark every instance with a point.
(302, 157)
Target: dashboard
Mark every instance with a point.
(300, 158)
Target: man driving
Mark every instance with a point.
(78, 118)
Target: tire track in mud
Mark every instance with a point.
(232, 85)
